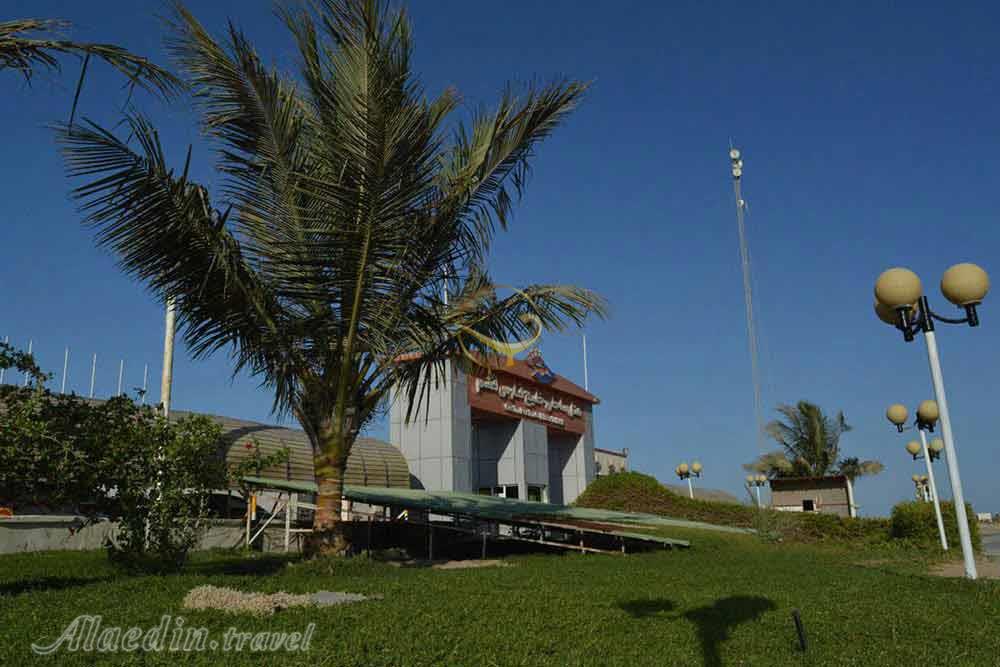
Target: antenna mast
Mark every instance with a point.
(737, 170)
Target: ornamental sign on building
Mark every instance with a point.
(509, 395)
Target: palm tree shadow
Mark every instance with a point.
(52, 583)
(646, 608)
(715, 622)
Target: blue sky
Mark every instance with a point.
(869, 137)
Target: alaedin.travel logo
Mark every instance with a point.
(88, 634)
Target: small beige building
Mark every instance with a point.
(609, 461)
(827, 495)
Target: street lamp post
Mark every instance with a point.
(683, 471)
(757, 481)
(927, 416)
(902, 303)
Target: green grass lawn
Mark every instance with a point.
(725, 601)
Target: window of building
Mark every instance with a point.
(808, 505)
(536, 493)
(511, 491)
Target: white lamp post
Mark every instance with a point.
(927, 416)
(757, 481)
(683, 471)
(902, 303)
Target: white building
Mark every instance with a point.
(518, 432)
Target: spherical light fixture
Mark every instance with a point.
(897, 414)
(886, 314)
(897, 288)
(936, 445)
(682, 468)
(916, 479)
(761, 478)
(913, 447)
(696, 467)
(750, 479)
(965, 284)
(928, 412)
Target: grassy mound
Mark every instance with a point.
(635, 492)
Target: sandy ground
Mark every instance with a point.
(987, 568)
(450, 564)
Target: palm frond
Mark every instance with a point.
(21, 50)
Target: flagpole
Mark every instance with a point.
(168, 356)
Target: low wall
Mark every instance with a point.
(19, 534)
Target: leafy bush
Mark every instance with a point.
(915, 521)
(111, 459)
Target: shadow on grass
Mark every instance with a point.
(646, 608)
(48, 584)
(715, 622)
(235, 566)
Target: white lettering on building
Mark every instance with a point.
(530, 398)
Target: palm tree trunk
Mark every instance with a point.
(328, 537)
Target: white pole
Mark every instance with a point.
(690, 488)
(145, 378)
(586, 380)
(26, 372)
(93, 374)
(168, 357)
(951, 456)
(934, 492)
(852, 511)
(759, 504)
(6, 340)
(121, 373)
(62, 390)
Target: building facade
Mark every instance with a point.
(519, 431)
(609, 461)
(828, 495)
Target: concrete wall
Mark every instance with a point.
(64, 533)
(437, 440)
(535, 442)
(498, 452)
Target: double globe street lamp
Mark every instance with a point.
(757, 481)
(927, 416)
(683, 471)
(923, 490)
(900, 301)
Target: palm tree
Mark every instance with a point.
(810, 443)
(27, 44)
(344, 211)
(852, 467)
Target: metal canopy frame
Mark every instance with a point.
(494, 519)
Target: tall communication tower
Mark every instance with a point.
(736, 162)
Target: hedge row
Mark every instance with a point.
(916, 522)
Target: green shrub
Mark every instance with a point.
(915, 521)
(112, 459)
